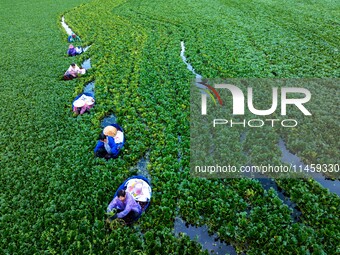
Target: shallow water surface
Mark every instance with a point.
(86, 64)
(89, 88)
(201, 235)
(66, 27)
(290, 158)
(142, 167)
(111, 119)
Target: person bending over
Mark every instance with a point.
(73, 51)
(73, 71)
(126, 206)
(106, 147)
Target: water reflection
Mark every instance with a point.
(111, 119)
(201, 235)
(86, 64)
(290, 158)
(189, 66)
(142, 166)
(89, 88)
(66, 27)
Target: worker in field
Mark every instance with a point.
(73, 71)
(73, 51)
(111, 140)
(112, 131)
(83, 103)
(126, 206)
(73, 38)
(106, 147)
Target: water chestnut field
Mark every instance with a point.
(54, 192)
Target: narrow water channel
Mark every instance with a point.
(89, 88)
(289, 158)
(86, 64)
(66, 27)
(268, 183)
(142, 166)
(201, 235)
(111, 119)
(189, 66)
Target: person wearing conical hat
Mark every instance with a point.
(115, 133)
(111, 140)
(83, 103)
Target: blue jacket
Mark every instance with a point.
(115, 147)
(71, 52)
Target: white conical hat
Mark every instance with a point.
(79, 103)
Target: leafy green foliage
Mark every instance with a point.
(54, 192)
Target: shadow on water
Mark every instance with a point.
(201, 235)
(290, 158)
(111, 119)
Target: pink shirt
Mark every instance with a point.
(73, 70)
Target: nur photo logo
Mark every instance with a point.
(277, 96)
